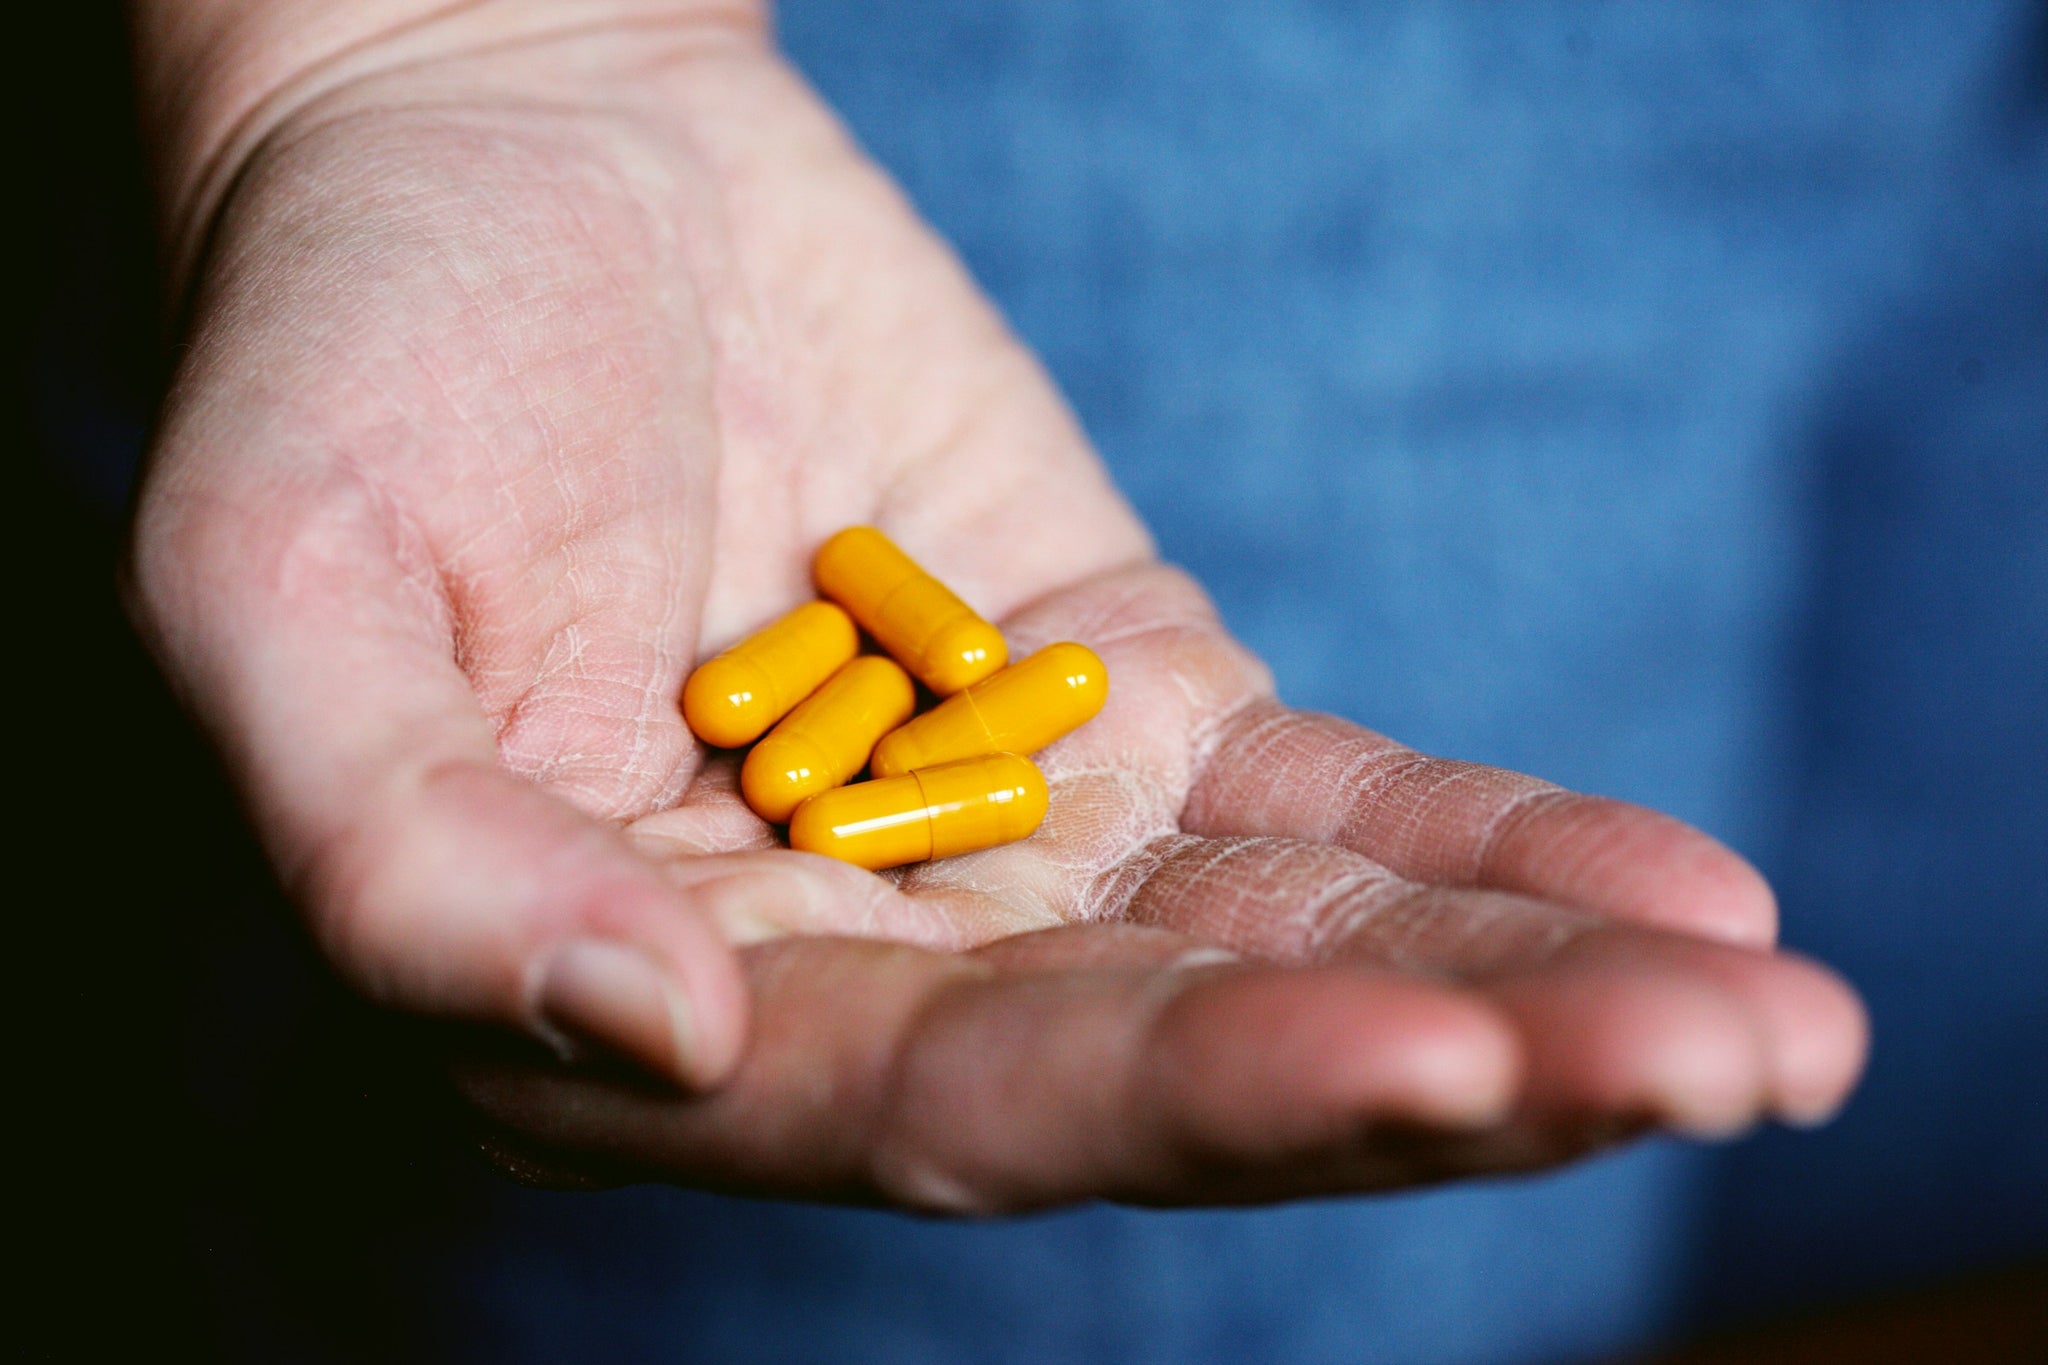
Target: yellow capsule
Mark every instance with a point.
(914, 616)
(827, 738)
(1019, 710)
(929, 813)
(736, 695)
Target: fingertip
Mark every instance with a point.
(1812, 1029)
(715, 992)
(597, 997)
(473, 894)
(1701, 1069)
(1338, 1046)
(1639, 865)
(648, 977)
(1409, 1051)
(1729, 899)
(1462, 1068)
(1683, 1054)
(1818, 1065)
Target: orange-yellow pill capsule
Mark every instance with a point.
(914, 616)
(930, 813)
(827, 738)
(732, 698)
(1019, 710)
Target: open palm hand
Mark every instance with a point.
(524, 374)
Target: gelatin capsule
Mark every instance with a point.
(929, 813)
(733, 697)
(928, 630)
(827, 738)
(1019, 710)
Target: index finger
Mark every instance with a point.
(1300, 775)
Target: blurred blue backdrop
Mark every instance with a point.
(1653, 397)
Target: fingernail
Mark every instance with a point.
(602, 997)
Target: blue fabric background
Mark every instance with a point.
(1654, 397)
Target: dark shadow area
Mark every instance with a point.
(226, 1157)
(1993, 1319)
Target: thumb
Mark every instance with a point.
(433, 879)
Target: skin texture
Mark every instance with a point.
(530, 350)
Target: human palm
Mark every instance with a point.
(520, 380)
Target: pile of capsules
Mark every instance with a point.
(949, 781)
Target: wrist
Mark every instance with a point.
(219, 78)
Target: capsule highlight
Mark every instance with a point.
(732, 698)
(940, 639)
(928, 813)
(1019, 710)
(827, 738)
